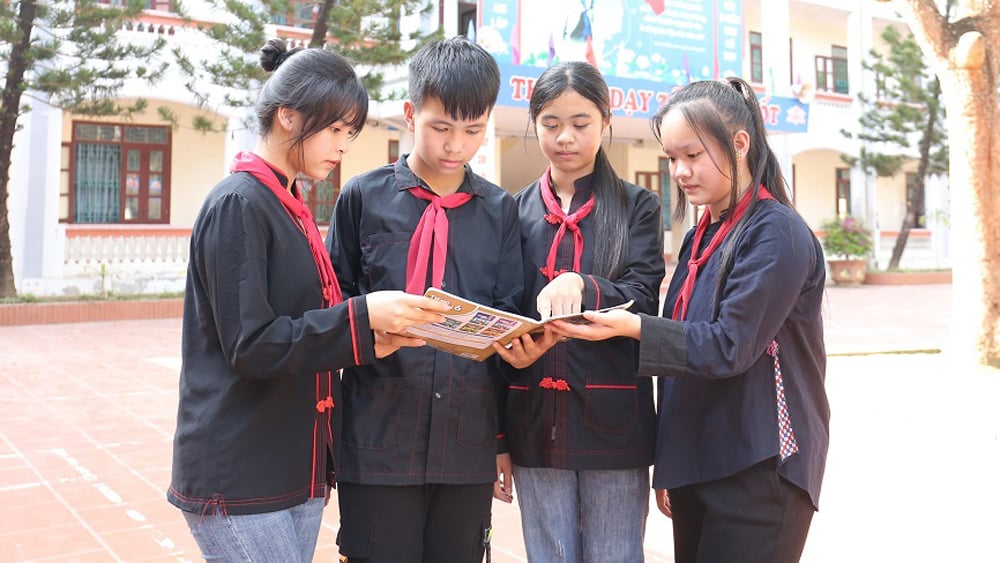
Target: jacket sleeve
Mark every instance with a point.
(772, 266)
(643, 269)
(507, 296)
(232, 254)
(343, 238)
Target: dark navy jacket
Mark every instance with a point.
(606, 419)
(423, 416)
(249, 436)
(718, 412)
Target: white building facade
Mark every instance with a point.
(100, 205)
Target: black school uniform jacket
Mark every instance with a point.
(250, 437)
(718, 410)
(602, 416)
(423, 416)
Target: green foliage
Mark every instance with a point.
(847, 238)
(77, 55)
(364, 31)
(905, 111)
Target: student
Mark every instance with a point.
(744, 418)
(581, 425)
(421, 441)
(265, 327)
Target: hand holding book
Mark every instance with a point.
(470, 329)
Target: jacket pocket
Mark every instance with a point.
(372, 414)
(611, 407)
(383, 260)
(477, 413)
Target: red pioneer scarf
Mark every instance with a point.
(299, 212)
(557, 216)
(695, 262)
(431, 230)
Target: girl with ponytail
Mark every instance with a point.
(743, 413)
(580, 423)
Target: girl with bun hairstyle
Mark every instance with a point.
(266, 330)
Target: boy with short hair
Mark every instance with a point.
(421, 444)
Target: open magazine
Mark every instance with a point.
(470, 329)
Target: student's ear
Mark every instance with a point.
(741, 143)
(408, 111)
(285, 118)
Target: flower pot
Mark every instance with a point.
(848, 272)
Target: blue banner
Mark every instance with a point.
(671, 43)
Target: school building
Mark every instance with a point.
(107, 204)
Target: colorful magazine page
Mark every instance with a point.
(470, 329)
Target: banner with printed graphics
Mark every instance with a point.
(645, 49)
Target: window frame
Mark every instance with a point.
(756, 39)
(125, 146)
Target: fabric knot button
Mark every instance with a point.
(772, 349)
(324, 405)
(554, 384)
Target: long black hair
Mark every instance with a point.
(715, 111)
(319, 84)
(610, 201)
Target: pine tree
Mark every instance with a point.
(71, 55)
(907, 110)
(364, 31)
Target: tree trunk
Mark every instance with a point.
(320, 25)
(966, 53)
(901, 240)
(10, 108)
(920, 183)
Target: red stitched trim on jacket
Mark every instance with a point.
(518, 387)
(598, 386)
(597, 292)
(354, 332)
(239, 502)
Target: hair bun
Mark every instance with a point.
(272, 54)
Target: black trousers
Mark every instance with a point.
(755, 516)
(414, 524)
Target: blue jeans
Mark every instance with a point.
(286, 535)
(584, 516)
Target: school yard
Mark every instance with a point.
(87, 413)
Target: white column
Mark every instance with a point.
(486, 162)
(37, 238)
(774, 18)
(937, 213)
(240, 135)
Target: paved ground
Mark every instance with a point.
(87, 414)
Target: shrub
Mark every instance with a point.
(847, 238)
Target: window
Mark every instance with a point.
(659, 183)
(64, 191)
(320, 195)
(116, 174)
(298, 14)
(831, 72)
(393, 151)
(756, 58)
(467, 19)
(915, 201)
(843, 203)
(665, 190)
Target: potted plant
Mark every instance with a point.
(847, 243)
